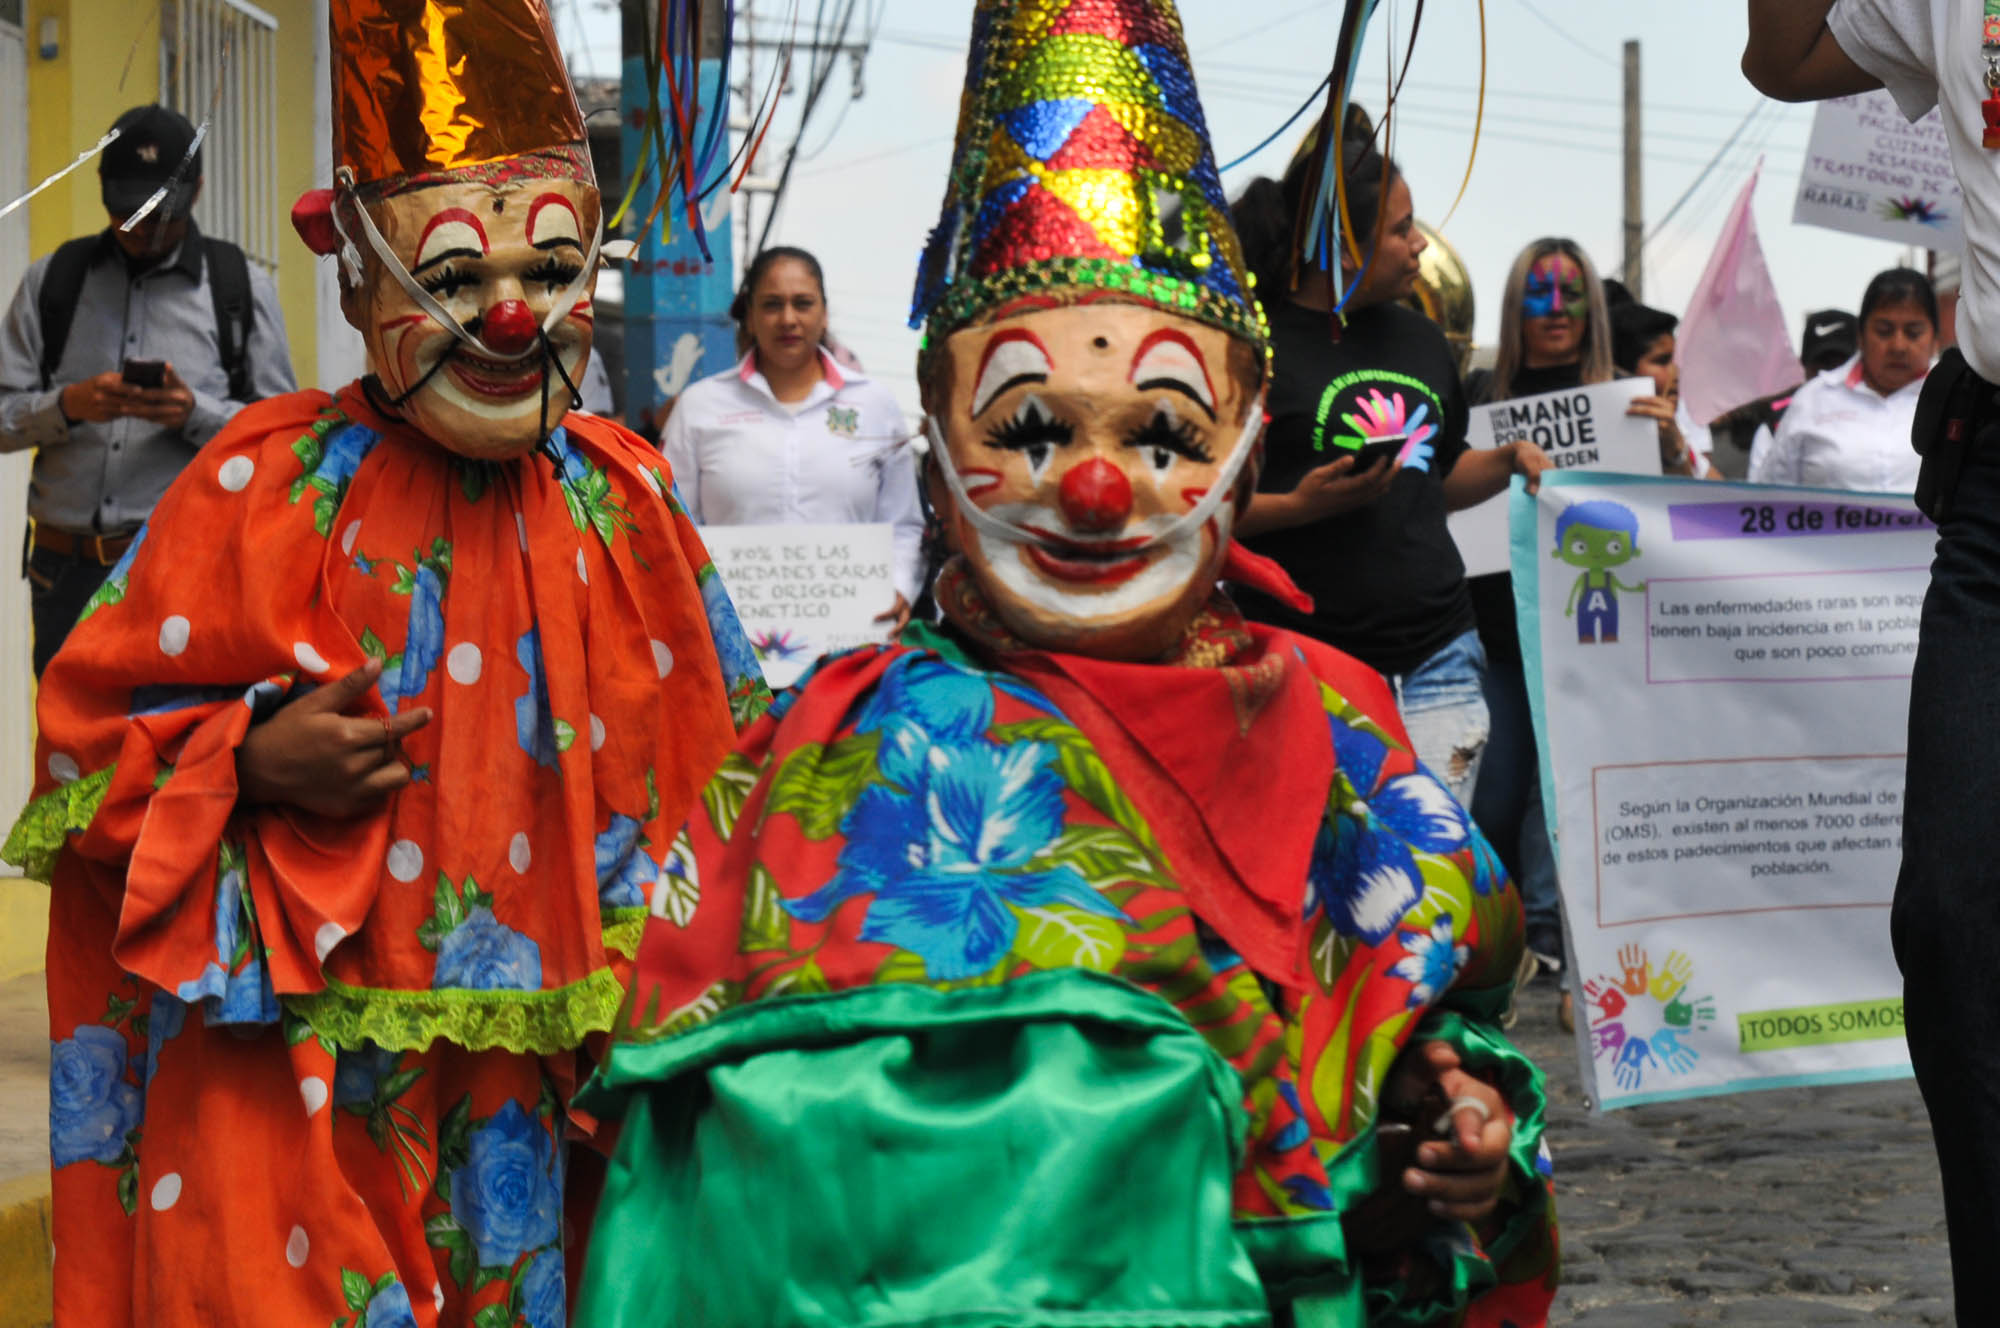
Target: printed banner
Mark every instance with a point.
(1585, 429)
(1871, 172)
(803, 591)
(1720, 678)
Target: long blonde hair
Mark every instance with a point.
(1596, 363)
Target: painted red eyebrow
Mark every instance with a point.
(1182, 340)
(454, 214)
(544, 200)
(1011, 334)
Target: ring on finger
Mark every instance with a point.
(1464, 1102)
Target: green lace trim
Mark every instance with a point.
(538, 1022)
(46, 824)
(623, 928)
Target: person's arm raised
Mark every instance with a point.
(1792, 55)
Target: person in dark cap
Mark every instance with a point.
(121, 354)
(1744, 434)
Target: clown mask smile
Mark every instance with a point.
(1085, 437)
(498, 258)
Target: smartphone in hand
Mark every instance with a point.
(145, 373)
(1376, 452)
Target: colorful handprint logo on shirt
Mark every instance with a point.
(1378, 418)
(1642, 1018)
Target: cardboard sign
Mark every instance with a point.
(1720, 679)
(1869, 171)
(1583, 429)
(803, 591)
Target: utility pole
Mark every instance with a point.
(1635, 182)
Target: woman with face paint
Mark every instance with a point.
(791, 435)
(1382, 399)
(1849, 428)
(362, 770)
(1095, 955)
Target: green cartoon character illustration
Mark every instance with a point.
(1597, 536)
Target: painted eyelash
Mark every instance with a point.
(447, 281)
(1030, 428)
(553, 271)
(1176, 436)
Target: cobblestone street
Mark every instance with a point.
(1806, 1206)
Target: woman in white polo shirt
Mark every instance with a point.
(1849, 428)
(791, 436)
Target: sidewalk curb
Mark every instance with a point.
(26, 1260)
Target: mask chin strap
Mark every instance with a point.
(438, 314)
(1220, 492)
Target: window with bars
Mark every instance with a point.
(219, 65)
(12, 11)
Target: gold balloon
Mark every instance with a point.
(1444, 293)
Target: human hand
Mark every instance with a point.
(167, 405)
(1606, 1037)
(1673, 976)
(315, 756)
(897, 615)
(1674, 455)
(1667, 1046)
(1609, 1000)
(1638, 970)
(1685, 1014)
(1633, 1058)
(99, 399)
(1338, 487)
(1460, 1176)
(1529, 461)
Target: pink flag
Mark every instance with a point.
(1733, 345)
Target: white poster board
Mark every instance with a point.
(1869, 171)
(1720, 675)
(803, 591)
(1583, 429)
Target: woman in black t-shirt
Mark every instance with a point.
(1365, 535)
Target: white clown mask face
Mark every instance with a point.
(1090, 433)
(498, 258)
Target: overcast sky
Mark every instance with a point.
(1548, 162)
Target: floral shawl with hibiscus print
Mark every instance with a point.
(914, 833)
(310, 1071)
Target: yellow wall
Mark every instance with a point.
(75, 97)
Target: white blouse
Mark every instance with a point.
(1840, 433)
(743, 458)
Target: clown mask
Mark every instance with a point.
(498, 258)
(1085, 439)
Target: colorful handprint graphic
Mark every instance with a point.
(1644, 1021)
(1377, 417)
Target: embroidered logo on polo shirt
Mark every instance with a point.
(843, 420)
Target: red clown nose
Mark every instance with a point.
(509, 327)
(1096, 496)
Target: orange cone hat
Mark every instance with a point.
(422, 87)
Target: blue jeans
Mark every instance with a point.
(1946, 920)
(1443, 701)
(1508, 806)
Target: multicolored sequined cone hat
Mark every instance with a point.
(425, 87)
(1079, 134)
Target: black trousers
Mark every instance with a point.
(1946, 919)
(59, 585)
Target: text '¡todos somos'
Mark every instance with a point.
(1562, 426)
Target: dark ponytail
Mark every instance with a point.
(1901, 285)
(1267, 213)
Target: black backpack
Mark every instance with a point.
(228, 282)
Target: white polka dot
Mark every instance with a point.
(349, 535)
(519, 855)
(437, 1297)
(64, 768)
(167, 1192)
(521, 530)
(329, 935)
(309, 659)
(597, 734)
(235, 473)
(406, 860)
(463, 663)
(174, 635)
(582, 568)
(312, 1091)
(297, 1248)
(663, 658)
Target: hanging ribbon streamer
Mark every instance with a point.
(93, 150)
(1478, 122)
